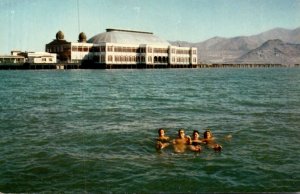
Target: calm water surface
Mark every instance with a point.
(94, 130)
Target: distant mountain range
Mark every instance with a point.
(276, 46)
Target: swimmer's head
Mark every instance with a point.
(181, 133)
(195, 133)
(161, 132)
(207, 134)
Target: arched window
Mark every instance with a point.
(102, 60)
(122, 58)
(159, 59)
(164, 60)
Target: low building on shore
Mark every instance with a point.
(41, 57)
(19, 57)
(13, 58)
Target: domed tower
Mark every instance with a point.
(82, 37)
(60, 35)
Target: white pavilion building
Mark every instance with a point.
(122, 47)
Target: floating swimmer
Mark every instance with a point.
(210, 140)
(162, 141)
(181, 142)
(196, 142)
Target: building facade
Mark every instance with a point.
(14, 57)
(20, 57)
(119, 47)
(40, 57)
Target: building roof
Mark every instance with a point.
(127, 37)
(12, 56)
(58, 42)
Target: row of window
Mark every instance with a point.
(141, 59)
(136, 59)
(128, 58)
(12, 60)
(81, 49)
(180, 59)
(183, 51)
(127, 49)
(119, 49)
(45, 59)
(183, 59)
(161, 50)
(132, 59)
(57, 49)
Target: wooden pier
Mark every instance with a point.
(38, 66)
(62, 66)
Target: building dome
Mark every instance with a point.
(60, 35)
(82, 37)
(127, 37)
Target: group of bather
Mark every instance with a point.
(184, 142)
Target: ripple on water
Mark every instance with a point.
(94, 131)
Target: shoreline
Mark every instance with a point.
(63, 66)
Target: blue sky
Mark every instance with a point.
(28, 25)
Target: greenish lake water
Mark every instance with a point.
(94, 130)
